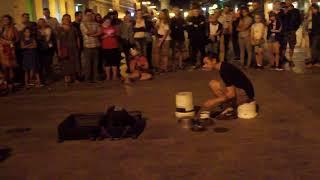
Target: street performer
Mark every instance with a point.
(233, 90)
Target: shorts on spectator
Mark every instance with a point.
(257, 47)
(111, 57)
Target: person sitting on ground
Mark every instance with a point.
(139, 66)
(234, 90)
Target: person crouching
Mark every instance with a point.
(234, 88)
(139, 67)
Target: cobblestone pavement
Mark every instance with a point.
(283, 142)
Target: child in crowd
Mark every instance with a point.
(139, 67)
(257, 39)
(30, 60)
(110, 47)
(215, 32)
(274, 38)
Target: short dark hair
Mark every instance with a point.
(315, 6)
(25, 14)
(107, 17)
(77, 13)
(212, 56)
(10, 18)
(88, 11)
(46, 9)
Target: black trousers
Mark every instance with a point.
(226, 45)
(195, 49)
(235, 44)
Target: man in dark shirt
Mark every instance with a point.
(196, 27)
(315, 32)
(235, 86)
(290, 25)
(177, 27)
(76, 24)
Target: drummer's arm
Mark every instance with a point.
(223, 97)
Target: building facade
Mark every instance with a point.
(59, 7)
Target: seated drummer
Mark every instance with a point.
(139, 66)
(234, 89)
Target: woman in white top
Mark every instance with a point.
(257, 39)
(161, 53)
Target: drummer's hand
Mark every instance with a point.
(209, 103)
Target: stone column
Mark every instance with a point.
(38, 7)
(70, 8)
(53, 8)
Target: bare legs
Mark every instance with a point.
(114, 73)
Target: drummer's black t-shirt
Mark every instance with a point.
(232, 76)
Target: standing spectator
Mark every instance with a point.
(315, 33)
(215, 33)
(30, 59)
(257, 39)
(257, 10)
(45, 47)
(226, 20)
(244, 36)
(151, 31)
(91, 31)
(76, 24)
(126, 36)
(291, 25)
(141, 32)
(27, 23)
(177, 26)
(196, 26)
(68, 46)
(274, 39)
(52, 22)
(235, 35)
(110, 48)
(116, 22)
(98, 18)
(8, 37)
(162, 50)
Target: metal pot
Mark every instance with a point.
(185, 123)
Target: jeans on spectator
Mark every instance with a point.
(149, 54)
(195, 49)
(226, 45)
(141, 44)
(245, 45)
(315, 49)
(46, 60)
(126, 45)
(91, 56)
(214, 47)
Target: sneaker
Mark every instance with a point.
(279, 68)
(259, 67)
(291, 64)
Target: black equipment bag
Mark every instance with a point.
(94, 125)
(118, 123)
(80, 126)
